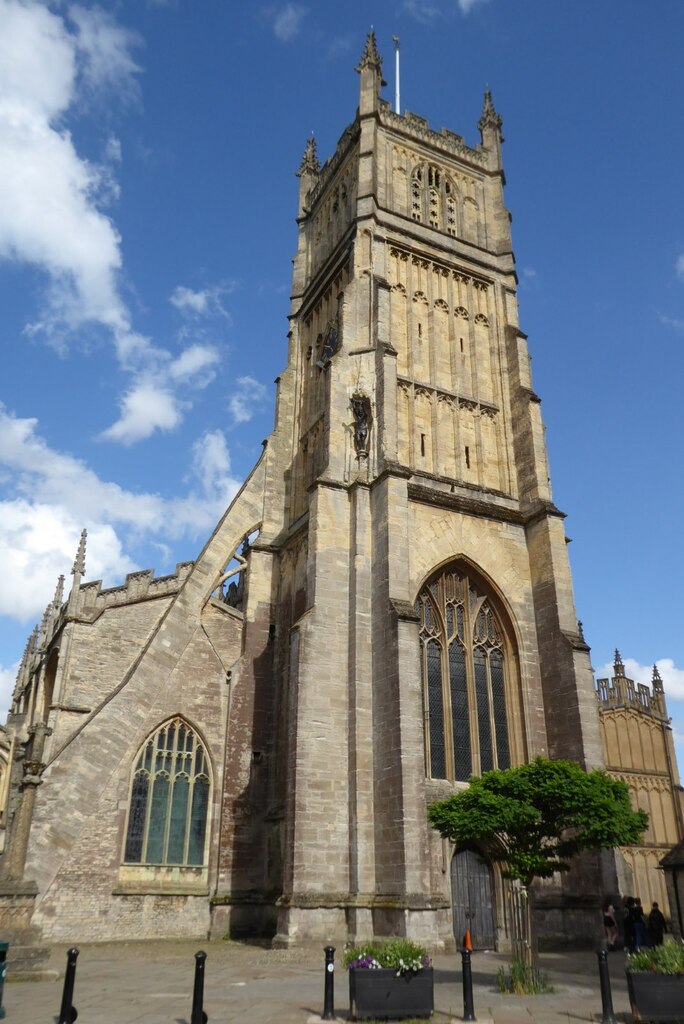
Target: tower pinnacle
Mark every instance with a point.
(617, 664)
(656, 680)
(490, 118)
(78, 567)
(310, 163)
(370, 56)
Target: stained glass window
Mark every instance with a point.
(167, 818)
(464, 667)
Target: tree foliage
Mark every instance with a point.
(535, 817)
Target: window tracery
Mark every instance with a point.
(169, 802)
(464, 666)
(434, 198)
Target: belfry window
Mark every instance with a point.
(464, 670)
(167, 817)
(433, 198)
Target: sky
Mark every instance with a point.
(148, 151)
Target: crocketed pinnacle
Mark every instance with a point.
(310, 163)
(656, 680)
(78, 567)
(59, 593)
(490, 118)
(370, 58)
(617, 664)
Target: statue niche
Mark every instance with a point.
(360, 406)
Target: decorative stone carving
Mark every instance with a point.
(360, 405)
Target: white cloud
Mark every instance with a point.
(52, 200)
(466, 6)
(38, 543)
(287, 22)
(144, 409)
(205, 301)
(212, 462)
(195, 364)
(51, 496)
(679, 267)
(152, 402)
(48, 194)
(424, 11)
(246, 399)
(104, 49)
(673, 322)
(673, 677)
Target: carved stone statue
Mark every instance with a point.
(361, 412)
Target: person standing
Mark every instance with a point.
(610, 924)
(640, 929)
(628, 925)
(656, 925)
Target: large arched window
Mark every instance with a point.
(464, 668)
(167, 818)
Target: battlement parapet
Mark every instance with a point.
(444, 140)
(138, 586)
(620, 692)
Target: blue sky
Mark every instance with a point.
(147, 226)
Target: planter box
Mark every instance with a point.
(656, 997)
(382, 993)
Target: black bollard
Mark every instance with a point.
(468, 1005)
(68, 1012)
(329, 985)
(198, 1016)
(608, 1017)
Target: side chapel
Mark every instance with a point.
(250, 744)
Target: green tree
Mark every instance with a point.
(534, 818)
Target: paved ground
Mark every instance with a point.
(126, 983)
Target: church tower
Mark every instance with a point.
(385, 608)
(425, 618)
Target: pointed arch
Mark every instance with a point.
(169, 800)
(470, 675)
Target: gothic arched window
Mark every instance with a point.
(464, 668)
(167, 817)
(434, 198)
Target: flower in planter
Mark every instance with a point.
(401, 955)
(665, 959)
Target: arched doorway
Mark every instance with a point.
(472, 903)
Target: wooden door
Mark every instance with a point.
(472, 900)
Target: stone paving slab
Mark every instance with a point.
(151, 982)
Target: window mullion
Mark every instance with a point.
(470, 680)
(490, 706)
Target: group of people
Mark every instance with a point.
(639, 930)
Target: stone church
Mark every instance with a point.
(249, 745)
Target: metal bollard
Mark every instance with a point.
(608, 1017)
(4, 946)
(198, 1016)
(468, 1006)
(68, 1012)
(329, 986)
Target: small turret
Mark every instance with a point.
(618, 667)
(490, 128)
(657, 681)
(370, 70)
(308, 173)
(658, 692)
